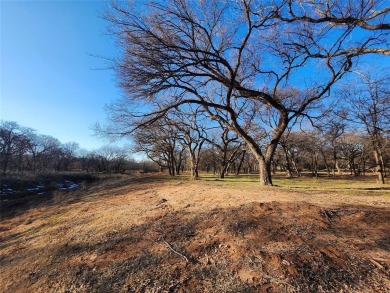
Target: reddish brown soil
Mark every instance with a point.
(154, 235)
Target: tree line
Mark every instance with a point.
(335, 148)
(23, 149)
(254, 71)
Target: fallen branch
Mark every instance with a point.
(377, 264)
(325, 214)
(161, 238)
(381, 259)
(329, 214)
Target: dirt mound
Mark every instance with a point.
(268, 247)
(133, 240)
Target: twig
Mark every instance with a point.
(325, 214)
(377, 264)
(329, 214)
(171, 248)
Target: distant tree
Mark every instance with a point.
(120, 161)
(241, 160)
(23, 143)
(22, 149)
(316, 147)
(160, 143)
(84, 159)
(228, 145)
(14, 143)
(191, 132)
(147, 166)
(50, 157)
(68, 155)
(351, 149)
(107, 153)
(279, 58)
(295, 148)
(367, 104)
(333, 127)
(209, 159)
(36, 148)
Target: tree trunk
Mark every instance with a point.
(352, 167)
(240, 164)
(328, 170)
(194, 166)
(274, 167)
(179, 162)
(172, 162)
(264, 160)
(222, 167)
(288, 168)
(294, 162)
(194, 171)
(265, 172)
(339, 170)
(4, 162)
(379, 166)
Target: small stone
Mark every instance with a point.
(285, 262)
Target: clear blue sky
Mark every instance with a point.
(49, 80)
(49, 77)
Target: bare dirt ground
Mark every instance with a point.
(153, 234)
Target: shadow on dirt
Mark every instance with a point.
(259, 247)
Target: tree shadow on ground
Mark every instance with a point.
(257, 247)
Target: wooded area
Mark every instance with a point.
(22, 149)
(230, 81)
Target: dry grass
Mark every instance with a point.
(129, 234)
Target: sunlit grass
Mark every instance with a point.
(362, 185)
(346, 184)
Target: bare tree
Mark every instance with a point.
(160, 143)
(68, 154)
(294, 146)
(351, 149)
(368, 15)
(191, 132)
(234, 56)
(112, 159)
(228, 145)
(49, 158)
(14, 143)
(367, 104)
(333, 129)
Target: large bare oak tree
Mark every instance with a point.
(260, 62)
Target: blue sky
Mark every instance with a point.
(50, 78)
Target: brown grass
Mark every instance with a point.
(129, 234)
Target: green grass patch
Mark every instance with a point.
(346, 184)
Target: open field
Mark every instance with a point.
(159, 234)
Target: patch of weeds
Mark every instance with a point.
(240, 227)
(174, 229)
(384, 243)
(219, 279)
(323, 273)
(72, 249)
(112, 278)
(183, 231)
(205, 272)
(113, 238)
